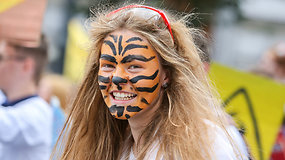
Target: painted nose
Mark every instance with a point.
(118, 78)
(118, 81)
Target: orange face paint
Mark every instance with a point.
(129, 73)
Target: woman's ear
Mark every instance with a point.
(165, 78)
(29, 65)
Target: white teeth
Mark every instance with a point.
(123, 96)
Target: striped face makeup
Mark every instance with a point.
(129, 74)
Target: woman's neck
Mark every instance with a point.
(139, 122)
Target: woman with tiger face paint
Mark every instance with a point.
(145, 95)
(130, 75)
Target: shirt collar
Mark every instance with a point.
(12, 103)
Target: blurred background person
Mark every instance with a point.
(272, 65)
(25, 118)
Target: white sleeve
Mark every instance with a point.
(225, 150)
(10, 119)
(29, 123)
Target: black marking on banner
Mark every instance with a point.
(133, 46)
(112, 46)
(146, 89)
(134, 39)
(244, 91)
(133, 109)
(103, 79)
(137, 78)
(144, 101)
(108, 58)
(130, 58)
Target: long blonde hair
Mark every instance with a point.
(178, 125)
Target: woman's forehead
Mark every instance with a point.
(121, 43)
(126, 34)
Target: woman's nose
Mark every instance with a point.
(118, 80)
(119, 77)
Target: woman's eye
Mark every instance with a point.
(135, 67)
(107, 67)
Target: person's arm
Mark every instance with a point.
(28, 124)
(10, 120)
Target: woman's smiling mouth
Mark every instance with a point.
(123, 96)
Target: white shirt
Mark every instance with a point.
(222, 147)
(26, 130)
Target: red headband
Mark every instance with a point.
(163, 16)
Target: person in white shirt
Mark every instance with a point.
(146, 94)
(25, 118)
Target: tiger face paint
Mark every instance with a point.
(130, 74)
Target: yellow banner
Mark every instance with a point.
(7, 4)
(256, 104)
(76, 51)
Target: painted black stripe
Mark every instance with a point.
(127, 116)
(137, 78)
(146, 89)
(120, 45)
(133, 46)
(133, 109)
(131, 57)
(102, 87)
(103, 79)
(108, 58)
(144, 101)
(112, 46)
(134, 39)
(118, 80)
(115, 38)
(119, 109)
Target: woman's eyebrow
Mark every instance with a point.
(134, 39)
(108, 58)
(130, 58)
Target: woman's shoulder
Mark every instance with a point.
(228, 143)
